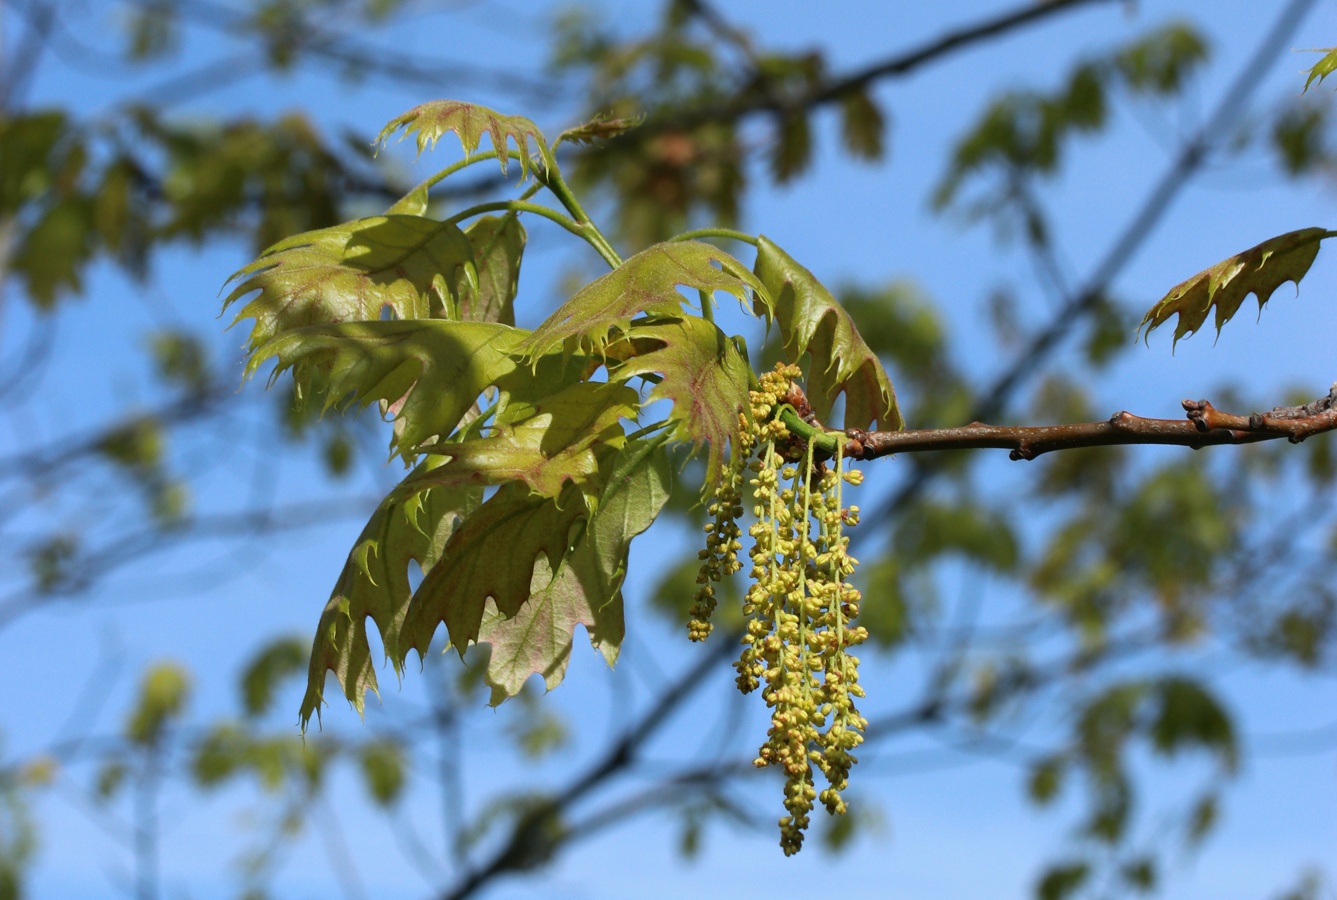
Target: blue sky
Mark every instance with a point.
(954, 824)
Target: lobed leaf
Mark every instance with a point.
(1259, 270)
(374, 584)
(492, 555)
(430, 121)
(813, 322)
(704, 375)
(429, 372)
(545, 450)
(586, 587)
(406, 266)
(498, 244)
(1323, 68)
(644, 285)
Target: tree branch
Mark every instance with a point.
(832, 90)
(1205, 426)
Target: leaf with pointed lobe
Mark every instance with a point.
(498, 246)
(430, 121)
(491, 556)
(374, 584)
(429, 372)
(586, 587)
(546, 450)
(1259, 271)
(405, 266)
(1323, 68)
(701, 372)
(645, 285)
(813, 322)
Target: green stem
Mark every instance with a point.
(583, 230)
(553, 180)
(716, 233)
(829, 442)
(548, 175)
(430, 182)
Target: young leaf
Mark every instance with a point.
(862, 125)
(586, 588)
(375, 584)
(600, 128)
(704, 375)
(544, 450)
(498, 245)
(491, 555)
(646, 284)
(430, 371)
(791, 153)
(406, 265)
(1259, 270)
(432, 120)
(812, 321)
(1323, 68)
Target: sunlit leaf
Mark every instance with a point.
(492, 554)
(374, 585)
(544, 450)
(404, 266)
(1323, 68)
(1259, 270)
(701, 372)
(585, 589)
(432, 371)
(430, 121)
(813, 322)
(646, 284)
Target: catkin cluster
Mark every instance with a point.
(800, 608)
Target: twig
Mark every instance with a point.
(833, 90)
(1205, 426)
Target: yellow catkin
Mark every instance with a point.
(800, 608)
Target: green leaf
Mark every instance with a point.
(430, 121)
(1323, 68)
(862, 125)
(600, 128)
(162, 696)
(1188, 716)
(544, 450)
(405, 266)
(792, 151)
(702, 373)
(492, 554)
(586, 587)
(1062, 881)
(374, 584)
(813, 322)
(429, 371)
(275, 661)
(646, 284)
(498, 246)
(1259, 270)
(53, 253)
(383, 767)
